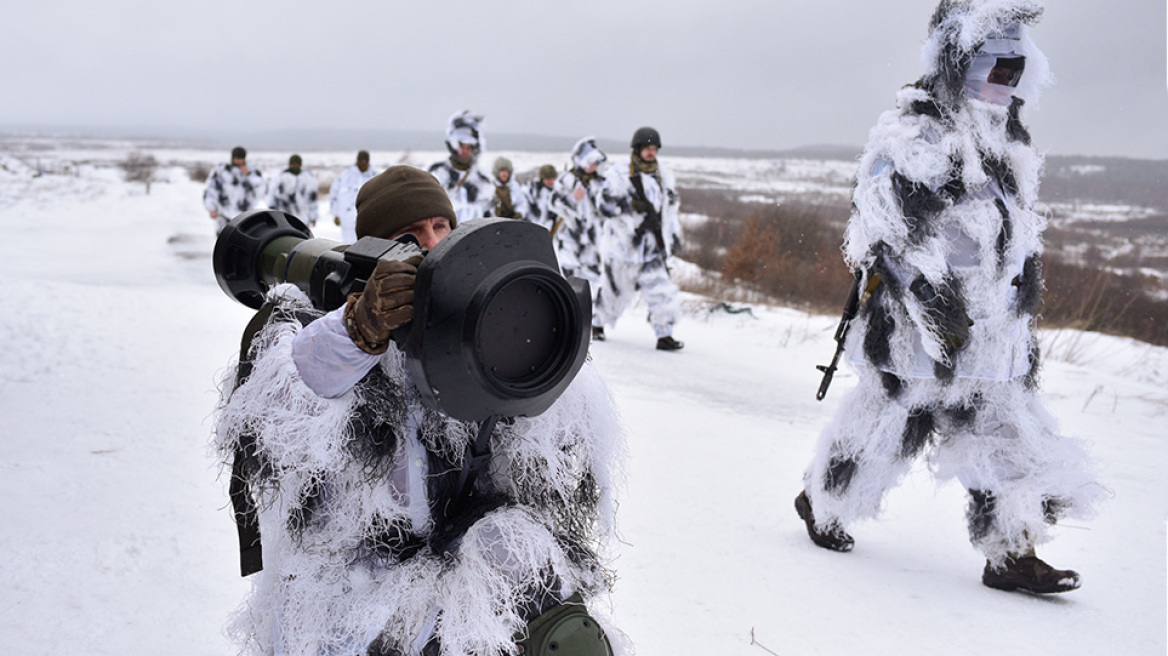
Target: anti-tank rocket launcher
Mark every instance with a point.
(497, 331)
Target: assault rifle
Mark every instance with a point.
(504, 208)
(851, 308)
(652, 222)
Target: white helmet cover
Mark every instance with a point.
(586, 152)
(463, 127)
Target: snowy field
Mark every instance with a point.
(117, 537)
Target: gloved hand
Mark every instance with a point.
(386, 303)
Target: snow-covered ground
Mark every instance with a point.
(117, 537)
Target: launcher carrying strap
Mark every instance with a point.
(476, 459)
(247, 525)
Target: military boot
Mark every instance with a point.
(598, 333)
(667, 343)
(833, 537)
(1028, 572)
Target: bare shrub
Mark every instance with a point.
(786, 253)
(198, 171)
(757, 249)
(1103, 301)
(791, 252)
(708, 241)
(140, 167)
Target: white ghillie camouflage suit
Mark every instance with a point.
(343, 199)
(638, 244)
(580, 240)
(352, 486)
(296, 194)
(231, 193)
(471, 192)
(945, 347)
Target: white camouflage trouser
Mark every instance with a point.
(995, 437)
(623, 279)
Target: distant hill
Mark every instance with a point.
(1119, 180)
(351, 139)
(1067, 178)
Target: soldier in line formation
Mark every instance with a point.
(234, 188)
(614, 230)
(295, 192)
(343, 196)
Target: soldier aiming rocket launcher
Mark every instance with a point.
(497, 331)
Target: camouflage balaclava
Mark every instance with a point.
(967, 36)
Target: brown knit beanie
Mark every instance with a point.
(397, 197)
(547, 171)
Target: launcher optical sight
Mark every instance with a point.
(497, 331)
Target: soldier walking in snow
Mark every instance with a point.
(539, 196)
(510, 197)
(581, 198)
(295, 192)
(343, 195)
(946, 242)
(471, 192)
(232, 189)
(641, 240)
(368, 549)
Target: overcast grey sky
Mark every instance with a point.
(763, 74)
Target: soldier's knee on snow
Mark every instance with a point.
(565, 629)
